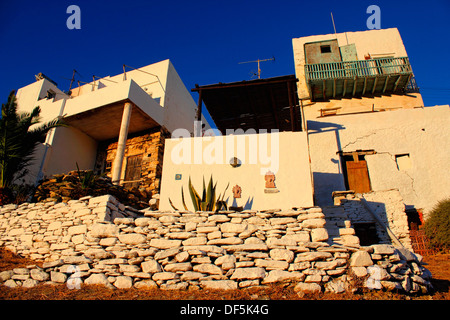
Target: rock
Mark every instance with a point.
(166, 253)
(182, 256)
(76, 260)
(383, 249)
(52, 264)
(360, 259)
(180, 235)
(10, 283)
(6, 275)
(271, 264)
(229, 240)
(82, 229)
(282, 254)
(225, 259)
(174, 267)
(190, 275)
(164, 244)
(103, 230)
(39, 275)
(30, 283)
(145, 284)
(129, 268)
(98, 278)
(164, 276)
(307, 288)
(151, 266)
(133, 238)
(335, 286)
(405, 254)
(359, 271)
(319, 234)
(248, 273)
(233, 227)
(142, 222)
(196, 241)
(278, 221)
(312, 256)
(58, 277)
(247, 247)
(207, 268)
(282, 276)
(97, 253)
(219, 284)
(123, 282)
(313, 223)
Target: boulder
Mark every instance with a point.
(361, 258)
(219, 284)
(248, 273)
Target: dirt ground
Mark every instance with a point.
(438, 264)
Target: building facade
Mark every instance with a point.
(368, 129)
(116, 125)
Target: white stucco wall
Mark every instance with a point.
(422, 133)
(291, 168)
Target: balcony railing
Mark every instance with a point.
(358, 68)
(357, 78)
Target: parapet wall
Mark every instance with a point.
(181, 250)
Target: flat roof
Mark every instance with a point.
(270, 103)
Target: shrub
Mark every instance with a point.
(437, 226)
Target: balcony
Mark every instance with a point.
(349, 79)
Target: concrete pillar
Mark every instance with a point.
(118, 161)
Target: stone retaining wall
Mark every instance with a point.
(181, 250)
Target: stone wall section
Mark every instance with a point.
(180, 250)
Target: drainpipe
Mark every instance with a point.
(118, 162)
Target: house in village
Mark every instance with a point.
(116, 125)
(350, 121)
(367, 126)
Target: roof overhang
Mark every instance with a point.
(99, 113)
(270, 103)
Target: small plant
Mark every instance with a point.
(87, 178)
(437, 226)
(208, 201)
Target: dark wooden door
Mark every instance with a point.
(133, 171)
(358, 176)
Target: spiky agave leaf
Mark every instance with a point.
(182, 199)
(196, 200)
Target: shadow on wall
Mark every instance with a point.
(324, 185)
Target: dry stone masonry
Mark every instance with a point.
(100, 241)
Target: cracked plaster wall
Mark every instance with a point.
(424, 134)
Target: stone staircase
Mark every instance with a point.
(339, 227)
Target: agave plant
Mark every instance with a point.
(208, 201)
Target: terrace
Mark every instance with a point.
(348, 79)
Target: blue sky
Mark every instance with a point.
(205, 40)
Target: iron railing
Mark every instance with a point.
(358, 68)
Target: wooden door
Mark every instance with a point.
(133, 171)
(358, 176)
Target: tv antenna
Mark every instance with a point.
(259, 61)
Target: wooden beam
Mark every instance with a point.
(291, 107)
(199, 107)
(365, 86)
(374, 85)
(396, 83)
(324, 90)
(354, 86)
(385, 83)
(345, 87)
(334, 88)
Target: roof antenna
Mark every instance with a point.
(334, 27)
(258, 61)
